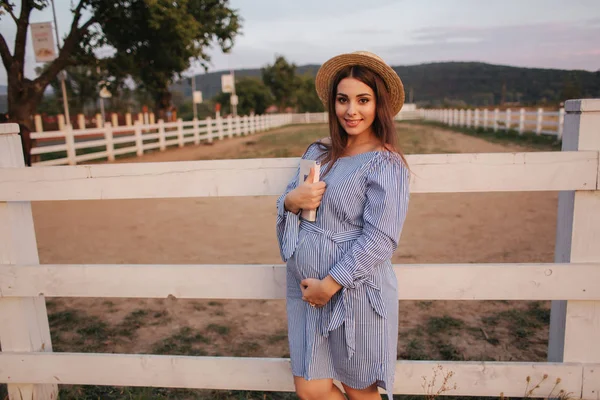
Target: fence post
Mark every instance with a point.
(540, 119)
(196, 130)
(508, 120)
(114, 118)
(238, 130)
(476, 119)
(180, 132)
(521, 121)
(496, 116)
(28, 330)
(220, 127)
(98, 121)
(38, 123)
(209, 134)
(61, 122)
(229, 126)
(81, 121)
(574, 325)
(485, 119)
(151, 118)
(252, 123)
(162, 145)
(468, 121)
(561, 123)
(246, 125)
(110, 146)
(70, 143)
(139, 143)
(128, 119)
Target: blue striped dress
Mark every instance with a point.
(353, 338)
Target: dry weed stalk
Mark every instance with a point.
(562, 395)
(429, 387)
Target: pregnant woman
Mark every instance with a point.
(342, 299)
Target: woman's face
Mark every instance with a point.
(355, 106)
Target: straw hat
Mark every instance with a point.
(332, 66)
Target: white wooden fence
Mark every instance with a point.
(110, 141)
(81, 145)
(33, 371)
(521, 120)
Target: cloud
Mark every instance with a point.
(551, 45)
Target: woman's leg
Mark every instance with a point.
(317, 389)
(370, 393)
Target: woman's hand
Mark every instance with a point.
(307, 196)
(318, 292)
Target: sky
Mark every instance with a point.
(562, 34)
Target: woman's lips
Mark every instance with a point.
(353, 123)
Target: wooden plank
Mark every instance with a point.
(273, 374)
(415, 282)
(591, 381)
(431, 174)
(24, 320)
(575, 325)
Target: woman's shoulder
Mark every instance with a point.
(387, 161)
(317, 148)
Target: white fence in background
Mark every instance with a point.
(520, 120)
(75, 146)
(80, 145)
(33, 371)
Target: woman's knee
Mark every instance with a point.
(313, 390)
(372, 392)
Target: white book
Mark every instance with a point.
(305, 166)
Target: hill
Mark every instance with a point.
(458, 83)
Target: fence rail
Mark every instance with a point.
(32, 371)
(522, 120)
(73, 146)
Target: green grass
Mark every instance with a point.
(445, 324)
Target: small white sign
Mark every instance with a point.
(197, 97)
(105, 94)
(227, 83)
(43, 41)
(234, 100)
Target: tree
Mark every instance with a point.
(82, 85)
(307, 98)
(155, 41)
(25, 94)
(253, 96)
(281, 79)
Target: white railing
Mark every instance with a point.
(32, 370)
(521, 120)
(81, 145)
(110, 141)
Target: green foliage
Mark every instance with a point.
(253, 96)
(479, 84)
(283, 82)
(306, 95)
(455, 84)
(155, 40)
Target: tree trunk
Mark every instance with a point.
(22, 105)
(163, 107)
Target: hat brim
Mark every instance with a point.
(331, 67)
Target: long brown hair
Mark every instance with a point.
(383, 125)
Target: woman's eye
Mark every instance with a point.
(342, 99)
(363, 101)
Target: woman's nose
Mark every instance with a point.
(351, 110)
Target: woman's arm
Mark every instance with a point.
(386, 204)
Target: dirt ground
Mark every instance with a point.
(440, 228)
